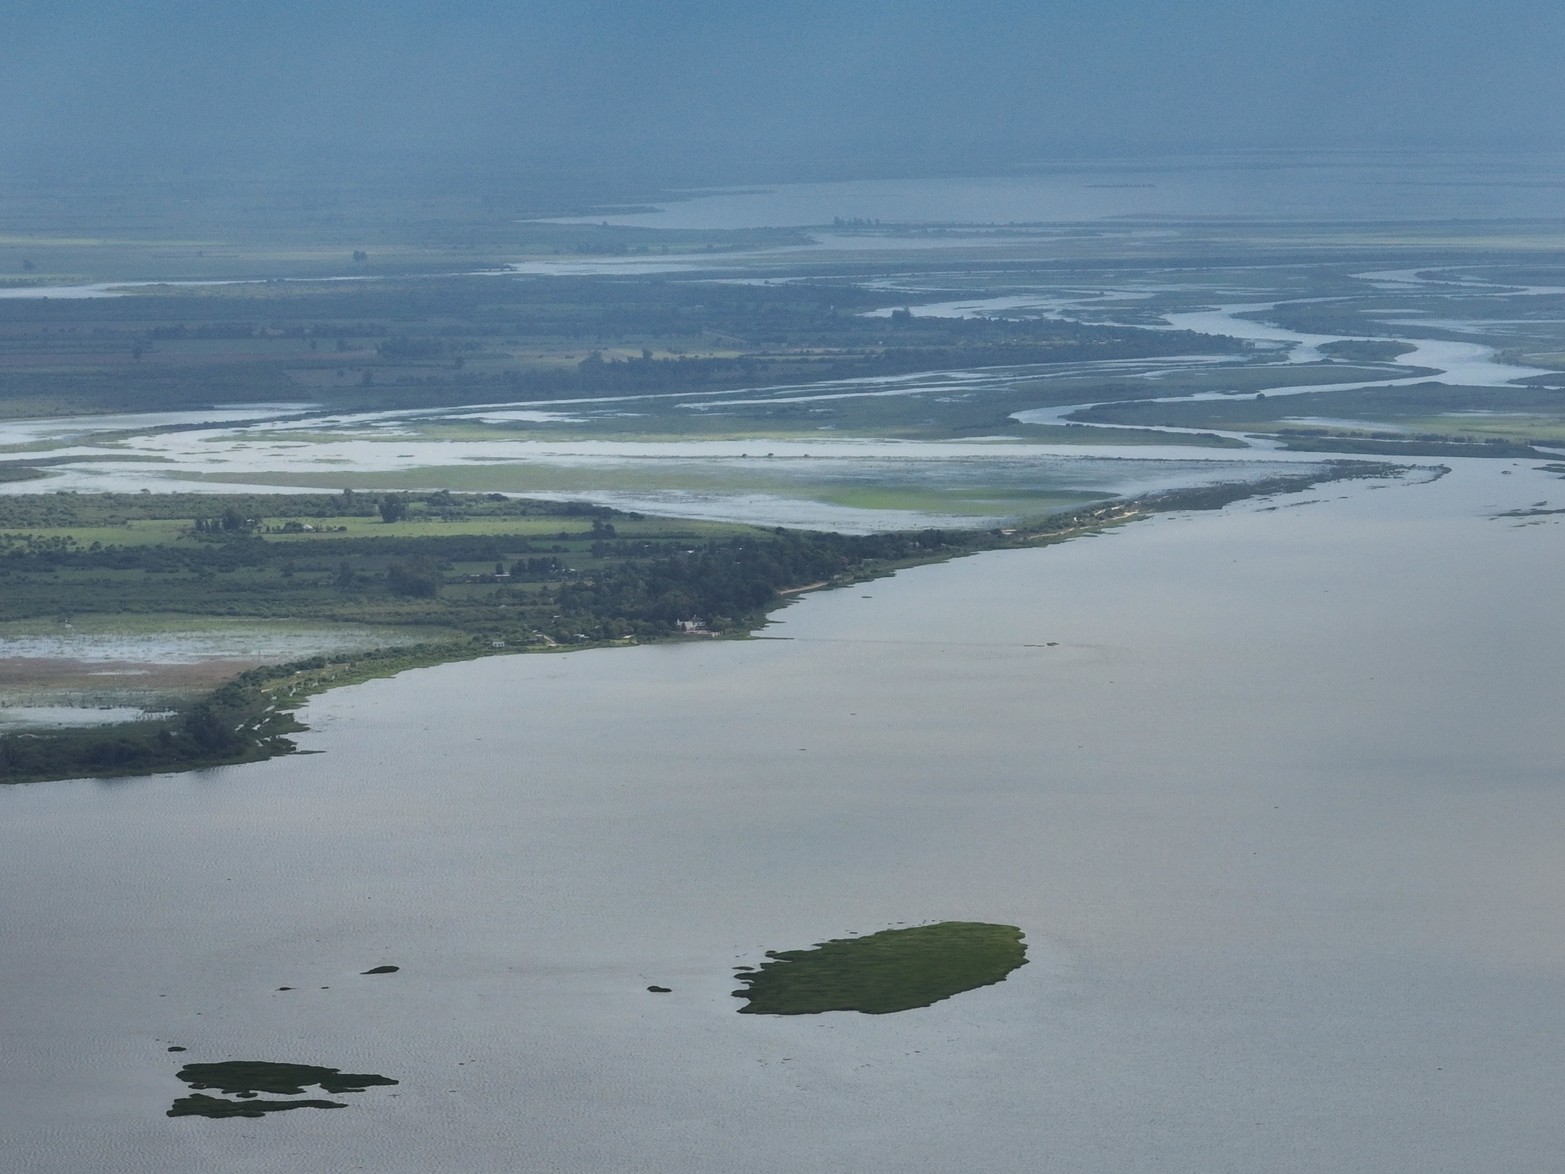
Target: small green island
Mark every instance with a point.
(893, 970)
(245, 1080)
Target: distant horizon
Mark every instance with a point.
(699, 92)
(456, 166)
(452, 186)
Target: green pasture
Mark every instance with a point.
(140, 532)
(974, 488)
(415, 526)
(161, 531)
(1518, 427)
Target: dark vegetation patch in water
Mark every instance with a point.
(246, 1079)
(201, 1105)
(894, 970)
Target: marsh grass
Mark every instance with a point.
(894, 970)
(237, 1077)
(201, 1105)
(246, 1079)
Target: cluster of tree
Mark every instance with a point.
(546, 566)
(238, 566)
(67, 509)
(419, 578)
(736, 580)
(230, 724)
(230, 521)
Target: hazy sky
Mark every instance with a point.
(784, 78)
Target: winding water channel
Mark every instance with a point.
(376, 443)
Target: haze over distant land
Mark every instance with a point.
(697, 90)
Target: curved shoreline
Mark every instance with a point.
(251, 717)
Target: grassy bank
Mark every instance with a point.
(597, 578)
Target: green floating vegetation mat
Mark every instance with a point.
(201, 1105)
(245, 1079)
(894, 970)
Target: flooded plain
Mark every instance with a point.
(849, 454)
(1273, 793)
(97, 670)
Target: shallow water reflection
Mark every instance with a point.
(1274, 794)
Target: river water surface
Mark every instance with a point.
(1274, 793)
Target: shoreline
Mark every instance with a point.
(250, 717)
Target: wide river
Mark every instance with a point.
(1275, 794)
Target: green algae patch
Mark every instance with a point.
(894, 970)
(247, 1079)
(201, 1105)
